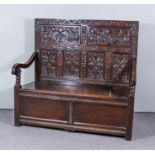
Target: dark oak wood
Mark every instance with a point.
(85, 77)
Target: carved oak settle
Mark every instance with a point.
(85, 77)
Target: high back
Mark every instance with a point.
(87, 51)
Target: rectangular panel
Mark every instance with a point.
(48, 60)
(43, 108)
(120, 68)
(95, 66)
(99, 114)
(57, 34)
(109, 36)
(71, 67)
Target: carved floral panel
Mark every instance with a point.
(71, 64)
(48, 61)
(60, 34)
(120, 66)
(109, 36)
(95, 65)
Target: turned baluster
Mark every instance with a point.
(18, 78)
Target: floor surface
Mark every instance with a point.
(27, 137)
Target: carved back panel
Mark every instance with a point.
(89, 51)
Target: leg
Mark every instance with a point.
(16, 106)
(130, 118)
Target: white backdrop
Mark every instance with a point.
(17, 42)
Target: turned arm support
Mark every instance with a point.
(16, 69)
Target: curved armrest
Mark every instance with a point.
(16, 67)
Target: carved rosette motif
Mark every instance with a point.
(71, 64)
(120, 64)
(48, 61)
(95, 66)
(60, 34)
(109, 36)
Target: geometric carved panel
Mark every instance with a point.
(109, 36)
(71, 64)
(48, 61)
(120, 66)
(60, 34)
(95, 65)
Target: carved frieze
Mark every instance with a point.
(109, 36)
(60, 34)
(109, 23)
